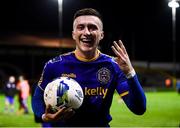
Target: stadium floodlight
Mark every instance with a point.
(60, 16)
(174, 4)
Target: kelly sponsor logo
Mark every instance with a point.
(98, 91)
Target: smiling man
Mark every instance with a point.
(87, 32)
(98, 74)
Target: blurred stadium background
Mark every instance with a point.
(26, 43)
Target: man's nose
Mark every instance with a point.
(86, 31)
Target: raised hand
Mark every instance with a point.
(122, 57)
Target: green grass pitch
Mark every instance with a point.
(15, 119)
(163, 110)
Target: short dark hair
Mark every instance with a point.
(88, 11)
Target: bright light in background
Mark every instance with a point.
(60, 3)
(60, 17)
(173, 4)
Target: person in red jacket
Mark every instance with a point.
(24, 89)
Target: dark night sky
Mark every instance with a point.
(144, 26)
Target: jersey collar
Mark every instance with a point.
(87, 60)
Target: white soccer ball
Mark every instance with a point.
(63, 91)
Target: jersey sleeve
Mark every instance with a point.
(122, 88)
(46, 76)
(121, 81)
(38, 104)
(131, 92)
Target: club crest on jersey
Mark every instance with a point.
(103, 75)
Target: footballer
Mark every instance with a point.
(98, 74)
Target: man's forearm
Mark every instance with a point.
(136, 99)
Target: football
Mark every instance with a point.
(63, 91)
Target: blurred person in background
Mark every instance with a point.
(10, 92)
(24, 90)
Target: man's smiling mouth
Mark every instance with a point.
(87, 41)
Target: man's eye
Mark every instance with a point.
(92, 27)
(80, 27)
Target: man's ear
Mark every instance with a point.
(73, 36)
(102, 35)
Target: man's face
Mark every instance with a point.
(87, 32)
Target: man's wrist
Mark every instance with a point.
(131, 74)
